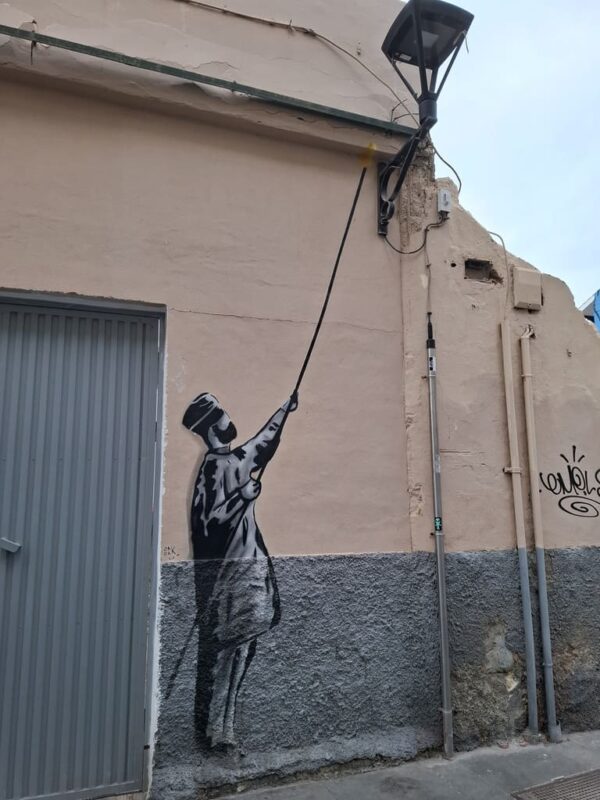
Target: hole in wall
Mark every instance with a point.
(476, 269)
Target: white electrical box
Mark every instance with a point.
(527, 288)
(444, 201)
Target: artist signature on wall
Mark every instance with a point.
(578, 488)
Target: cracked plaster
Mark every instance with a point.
(270, 58)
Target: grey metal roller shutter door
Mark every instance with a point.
(78, 421)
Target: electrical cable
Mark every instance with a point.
(423, 245)
(497, 235)
(367, 68)
(447, 163)
(289, 26)
(402, 103)
(400, 116)
(508, 275)
(400, 100)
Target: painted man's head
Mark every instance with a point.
(206, 418)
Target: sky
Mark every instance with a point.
(519, 119)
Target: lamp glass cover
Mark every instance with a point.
(442, 26)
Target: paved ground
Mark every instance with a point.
(487, 774)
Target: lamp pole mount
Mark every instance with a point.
(425, 34)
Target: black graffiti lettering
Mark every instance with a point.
(579, 480)
(579, 492)
(554, 483)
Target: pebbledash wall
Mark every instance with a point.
(229, 214)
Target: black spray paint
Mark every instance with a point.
(237, 599)
(577, 488)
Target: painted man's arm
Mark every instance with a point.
(259, 450)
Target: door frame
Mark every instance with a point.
(75, 302)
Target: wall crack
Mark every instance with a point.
(281, 319)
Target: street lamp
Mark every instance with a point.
(425, 34)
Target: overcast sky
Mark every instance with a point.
(520, 121)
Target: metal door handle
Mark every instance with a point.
(10, 547)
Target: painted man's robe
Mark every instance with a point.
(244, 602)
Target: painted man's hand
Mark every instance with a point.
(250, 490)
(291, 404)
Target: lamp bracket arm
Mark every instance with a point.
(402, 161)
(414, 95)
(432, 81)
(420, 48)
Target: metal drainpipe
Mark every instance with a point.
(440, 556)
(554, 732)
(515, 472)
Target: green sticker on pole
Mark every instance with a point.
(438, 524)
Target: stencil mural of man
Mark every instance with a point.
(236, 590)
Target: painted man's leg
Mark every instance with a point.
(228, 675)
(237, 674)
(245, 654)
(250, 655)
(222, 675)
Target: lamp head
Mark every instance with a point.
(443, 26)
(425, 34)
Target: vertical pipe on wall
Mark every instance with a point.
(439, 546)
(515, 472)
(554, 732)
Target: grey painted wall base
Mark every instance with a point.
(186, 780)
(352, 671)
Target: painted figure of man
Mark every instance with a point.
(236, 590)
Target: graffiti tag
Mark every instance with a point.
(577, 488)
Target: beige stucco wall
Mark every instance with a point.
(478, 509)
(236, 236)
(566, 364)
(279, 59)
(235, 233)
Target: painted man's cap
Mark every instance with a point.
(201, 413)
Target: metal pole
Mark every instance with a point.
(313, 341)
(439, 546)
(317, 330)
(554, 732)
(515, 472)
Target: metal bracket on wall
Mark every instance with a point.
(10, 547)
(292, 103)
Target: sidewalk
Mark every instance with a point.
(486, 774)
